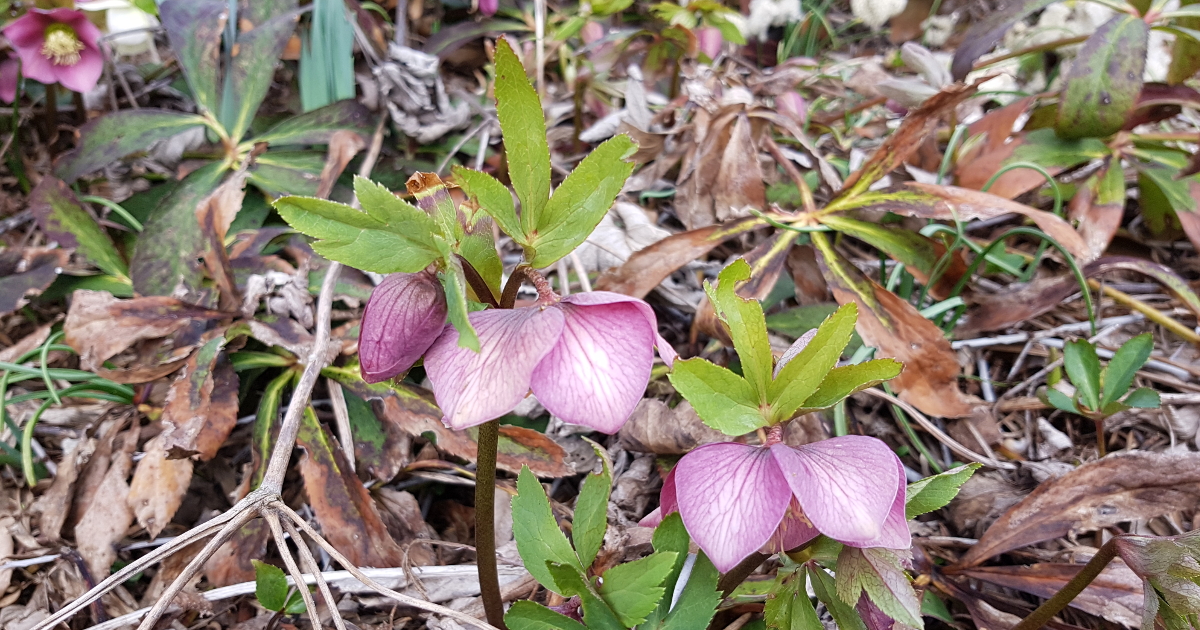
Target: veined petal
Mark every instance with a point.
(472, 388)
(29, 30)
(794, 530)
(84, 75)
(732, 498)
(666, 503)
(895, 534)
(405, 314)
(598, 371)
(846, 485)
(597, 298)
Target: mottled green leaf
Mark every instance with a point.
(251, 71)
(935, 492)
(633, 589)
(317, 126)
(494, 198)
(539, 540)
(166, 257)
(805, 372)
(581, 201)
(111, 137)
(455, 286)
(1105, 79)
(878, 573)
(1185, 55)
(591, 515)
(288, 172)
(270, 585)
(724, 400)
(743, 318)
(194, 29)
(1045, 148)
(1118, 375)
(524, 127)
(1083, 366)
(527, 615)
(63, 219)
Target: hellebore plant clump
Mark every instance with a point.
(588, 358)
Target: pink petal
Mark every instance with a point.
(8, 80)
(732, 498)
(846, 485)
(37, 67)
(29, 30)
(472, 388)
(667, 503)
(405, 315)
(598, 371)
(895, 534)
(597, 298)
(82, 76)
(794, 530)
(88, 33)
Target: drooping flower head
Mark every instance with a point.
(736, 498)
(404, 316)
(587, 357)
(57, 46)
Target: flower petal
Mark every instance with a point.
(8, 80)
(404, 316)
(732, 498)
(895, 534)
(597, 298)
(29, 30)
(846, 485)
(598, 371)
(794, 530)
(82, 76)
(472, 388)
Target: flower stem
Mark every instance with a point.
(485, 524)
(738, 574)
(1054, 605)
(478, 284)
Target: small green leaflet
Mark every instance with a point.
(526, 615)
(932, 493)
(1083, 366)
(633, 589)
(698, 602)
(539, 540)
(455, 286)
(670, 535)
(848, 379)
(724, 400)
(1118, 375)
(524, 127)
(493, 198)
(591, 515)
(807, 371)
(746, 324)
(596, 614)
(271, 589)
(788, 606)
(846, 617)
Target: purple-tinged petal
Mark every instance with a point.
(874, 618)
(82, 76)
(797, 346)
(792, 105)
(794, 530)
(895, 534)
(489, 7)
(598, 371)
(598, 298)
(87, 32)
(732, 498)
(846, 485)
(36, 66)
(29, 30)
(472, 388)
(710, 41)
(667, 503)
(405, 315)
(8, 80)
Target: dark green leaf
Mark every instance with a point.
(165, 259)
(270, 586)
(1045, 148)
(804, 373)
(288, 172)
(1143, 398)
(1118, 375)
(194, 28)
(112, 136)
(878, 573)
(455, 286)
(524, 129)
(494, 198)
(1059, 400)
(849, 379)
(633, 589)
(1185, 55)
(932, 493)
(845, 616)
(1083, 367)
(986, 32)
(698, 602)
(479, 248)
(539, 540)
(295, 604)
(317, 126)
(724, 400)
(747, 327)
(670, 535)
(63, 219)
(591, 515)
(251, 71)
(596, 614)
(581, 201)
(788, 606)
(526, 615)
(933, 606)
(1103, 83)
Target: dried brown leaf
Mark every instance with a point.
(656, 428)
(984, 159)
(1115, 595)
(739, 181)
(27, 343)
(25, 272)
(202, 404)
(1136, 485)
(108, 514)
(158, 487)
(55, 504)
(343, 146)
(231, 562)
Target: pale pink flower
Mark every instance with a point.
(489, 7)
(57, 46)
(9, 68)
(404, 316)
(710, 40)
(587, 357)
(792, 105)
(735, 498)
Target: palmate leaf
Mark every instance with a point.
(805, 373)
(722, 399)
(633, 589)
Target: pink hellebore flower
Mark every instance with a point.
(488, 7)
(710, 41)
(8, 79)
(735, 498)
(58, 46)
(587, 358)
(404, 316)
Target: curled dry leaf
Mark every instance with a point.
(930, 377)
(55, 504)
(647, 268)
(158, 486)
(202, 404)
(108, 514)
(1115, 595)
(100, 326)
(344, 144)
(1098, 208)
(982, 160)
(656, 428)
(1129, 486)
(26, 272)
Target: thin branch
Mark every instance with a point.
(310, 565)
(297, 576)
(938, 433)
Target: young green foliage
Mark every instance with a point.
(1101, 392)
(539, 540)
(633, 589)
(877, 572)
(788, 606)
(272, 590)
(591, 513)
(937, 491)
(736, 405)
(527, 615)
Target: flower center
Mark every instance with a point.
(62, 45)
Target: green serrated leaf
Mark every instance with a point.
(1083, 367)
(1061, 401)
(194, 29)
(251, 70)
(295, 604)
(878, 573)
(386, 238)
(539, 540)
(111, 137)
(788, 606)
(457, 309)
(845, 616)
(1118, 375)
(849, 379)
(527, 615)
(1103, 83)
(524, 127)
(63, 219)
(633, 589)
(317, 126)
(494, 198)
(804, 373)
(270, 586)
(596, 613)
(935, 492)
(723, 400)
(747, 327)
(670, 535)
(281, 173)
(1143, 398)
(581, 201)
(698, 602)
(591, 515)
